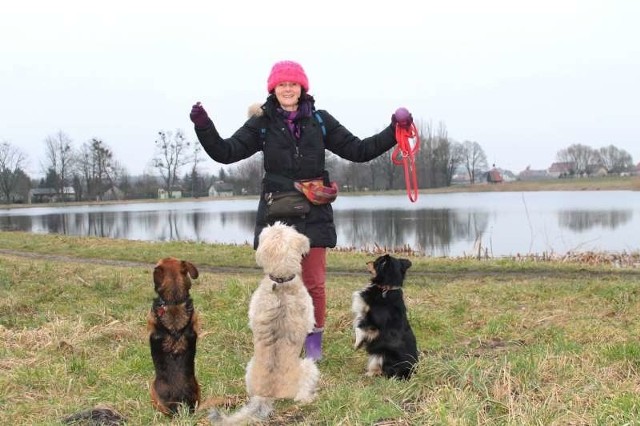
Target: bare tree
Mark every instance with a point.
(146, 186)
(384, 174)
(580, 156)
(615, 160)
(473, 159)
(356, 176)
(331, 163)
(434, 157)
(97, 167)
(246, 176)
(195, 160)
(456, 158)
(11, 163)
(441, 175)
(172, 153)
(425, 160)
(59, 155)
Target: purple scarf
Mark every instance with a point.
(291, 118)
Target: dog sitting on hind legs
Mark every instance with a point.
(280, 317)
(173, 331)
(380, 320)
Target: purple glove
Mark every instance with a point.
(199, 117)
(402, 117)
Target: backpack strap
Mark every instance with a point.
(321, 122)
(263, 131)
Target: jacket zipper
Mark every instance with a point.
(293, 139)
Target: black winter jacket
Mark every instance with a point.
(295, 160)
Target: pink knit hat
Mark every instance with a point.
(287, 71)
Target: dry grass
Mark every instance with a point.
(503, 342)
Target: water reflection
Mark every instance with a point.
(580, 220)
(430, 230)
(438, 225)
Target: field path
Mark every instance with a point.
(542, 271)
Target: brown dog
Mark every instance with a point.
(173, 331)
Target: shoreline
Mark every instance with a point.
(616, 183)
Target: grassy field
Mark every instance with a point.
(503, 341)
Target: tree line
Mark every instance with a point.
(95, 174)
(582, 159)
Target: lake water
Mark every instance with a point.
(455, 224)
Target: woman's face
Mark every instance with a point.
(288, 95)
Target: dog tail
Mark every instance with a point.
(258, 409)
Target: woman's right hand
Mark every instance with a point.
(199, 117)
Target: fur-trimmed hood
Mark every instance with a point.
(258, 109)
(255, 110)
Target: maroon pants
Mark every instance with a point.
(314, 272)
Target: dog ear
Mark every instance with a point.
(190, 269)
(406, 264)
(371, 268)
(158, 276)
(381, 262)
(270, 242)
(302, 244)
(262, 251)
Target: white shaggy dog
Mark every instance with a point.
(280, 317)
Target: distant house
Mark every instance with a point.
(460, 179)
(494, 176)
(51, 195)
(508, 176)
(221, 189)
(113, 194)
(562, 169)
(175, 193)
(597, 170)
(460, 176)
(528, 174)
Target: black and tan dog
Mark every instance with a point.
(380, 320)
(173, 331)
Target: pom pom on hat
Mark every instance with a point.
(287, 71)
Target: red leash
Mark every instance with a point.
(404, 154)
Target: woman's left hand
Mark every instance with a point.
(402, 117)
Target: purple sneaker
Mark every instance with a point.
(313, 346)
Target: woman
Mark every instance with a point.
(293, 137)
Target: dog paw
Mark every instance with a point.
(305, 399)
(359, 338)
(214, 416)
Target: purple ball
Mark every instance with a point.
(402, 115)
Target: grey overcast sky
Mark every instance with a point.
(524, 79)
